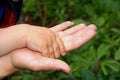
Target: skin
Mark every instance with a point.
(36, 38)
(72, 39)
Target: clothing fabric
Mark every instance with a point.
(9, 12)
(16, 6)
(1, 9)
(8, 18)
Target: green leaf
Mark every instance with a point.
(102, 51)
(115, 30)
(101, 75)
(87, 74)
(100, 21)
(104, 69)
(78, 21)
(89, 9)
(92, 53)
(110, 64)
(28, 77)
(117, 54)
(16, 77)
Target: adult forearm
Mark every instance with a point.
(5, 67)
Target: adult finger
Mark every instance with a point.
(73, 29)
(61, 26)
(78, 39)
(92, 27)
(50, 64)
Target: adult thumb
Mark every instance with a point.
(28, 59)
(50, 64)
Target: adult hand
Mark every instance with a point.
(28, 59)
(76, 36)
(31, 60)
(72, 39)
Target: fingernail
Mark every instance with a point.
(63, 54)
(93, 27)
(70, 22)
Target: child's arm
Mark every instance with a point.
(35, 38)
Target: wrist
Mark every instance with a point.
(6, 68)
(12, 38)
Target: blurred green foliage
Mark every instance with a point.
(96, 60)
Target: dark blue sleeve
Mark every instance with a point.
(1, 9)
(16, 5)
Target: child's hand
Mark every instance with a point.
(43, 40)
(39, 39)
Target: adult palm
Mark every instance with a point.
(72, 38)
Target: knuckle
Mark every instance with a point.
(57, 48)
